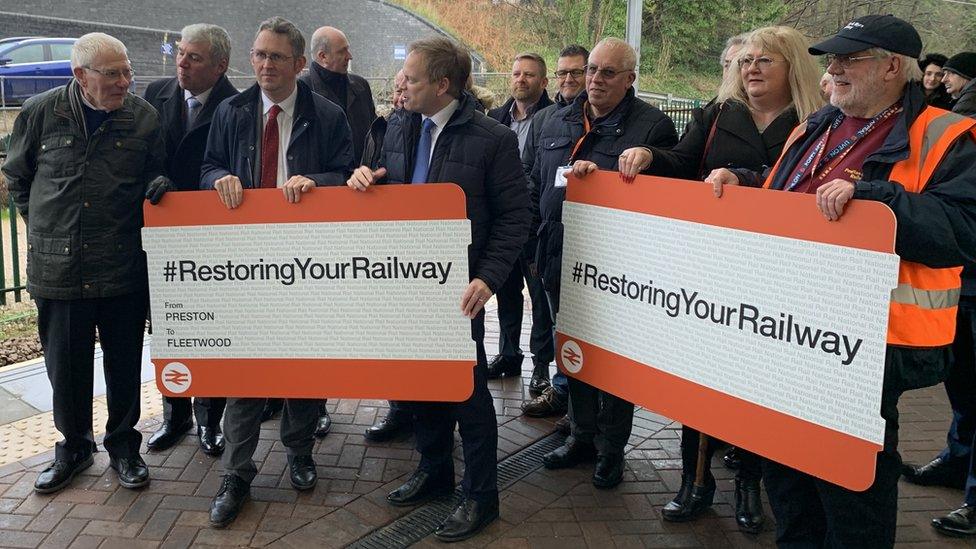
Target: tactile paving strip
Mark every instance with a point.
(36, 434)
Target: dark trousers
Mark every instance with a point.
(961, 389)
(206, 410)
(510, 307)
(815, 513)
(749, 470)
(400, 411)
(67, 332)
(242, 430)
(475, 418)
(599, 418)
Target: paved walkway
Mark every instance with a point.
(544, 509)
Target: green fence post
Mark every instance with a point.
(3, 269)
(14, 249)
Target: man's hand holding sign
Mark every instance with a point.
(477, 292)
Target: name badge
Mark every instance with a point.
(560, 180)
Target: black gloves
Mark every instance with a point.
(157, 188)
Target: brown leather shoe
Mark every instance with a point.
(549, 403)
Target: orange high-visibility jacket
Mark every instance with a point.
(922, 312)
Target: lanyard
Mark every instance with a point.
(835, 156)
(586, 131)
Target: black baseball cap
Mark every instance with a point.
(873, 31)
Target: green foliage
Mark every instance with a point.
(690, 34)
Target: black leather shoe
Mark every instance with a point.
(748, 506)
(393, 426)
(732, 459)
(133, 472)
(420, 487)
(302, 472)
(211, 440)
(468, 518)
(59, 474)
(272, 407)
(324, 425)
(549, 403)
(690, 501)
(226, 505)
(168, 436)
(938, 472)
(502, 365)
(563, 425)
(609, 471)
(569, 455)
(961, 522)
(540, 379)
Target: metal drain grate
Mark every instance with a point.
(421, 522)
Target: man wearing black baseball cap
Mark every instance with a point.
(867, 145)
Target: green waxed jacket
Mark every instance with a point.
(82, 197)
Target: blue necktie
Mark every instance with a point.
(192, 110)
(421, 163)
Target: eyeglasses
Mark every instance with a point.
(608, 74)
(762, 63)
(258, 56)
(575, 73)
(845, 61)
(114, 74)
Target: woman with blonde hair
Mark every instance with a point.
(776, 84)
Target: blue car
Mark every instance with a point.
(31, 65)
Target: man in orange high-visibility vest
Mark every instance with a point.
(877, 140)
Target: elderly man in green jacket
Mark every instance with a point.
(81, 159)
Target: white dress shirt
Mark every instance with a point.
(285, 120)
(440, 118)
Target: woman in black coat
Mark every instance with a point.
(935, 92)
(776, 85)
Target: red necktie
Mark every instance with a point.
(269, 150)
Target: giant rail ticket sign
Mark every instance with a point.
(344, 294)
(750, 317)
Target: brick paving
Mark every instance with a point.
(545, 509)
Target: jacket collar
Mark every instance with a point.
(894, 149)
(173, 102)
(542, 103)
(304, 102)
(616, 119)
(734, 116)
(68, 105)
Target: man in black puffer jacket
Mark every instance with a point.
(443, 138)
(590, 134)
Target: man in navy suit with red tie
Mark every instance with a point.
(304, 143)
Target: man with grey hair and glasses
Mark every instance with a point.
(275, 134)
(82, 157)
(186, 104)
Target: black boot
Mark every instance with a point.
(748, 506)
(540, 379)
(690, 500)
(502, 366)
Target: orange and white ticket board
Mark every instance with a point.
(750, 317)
(344, 294)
